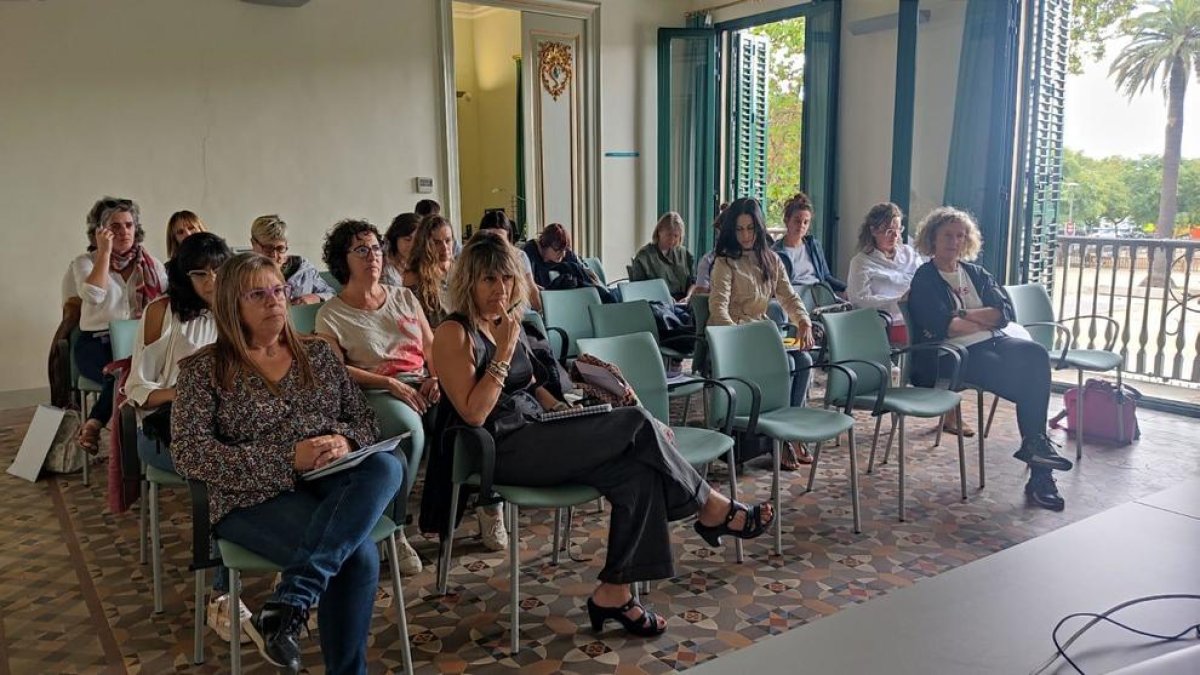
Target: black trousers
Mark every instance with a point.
(622, 455)
(1015, 370)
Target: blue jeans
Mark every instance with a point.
(800, 380)
(92, 352)
(319, 535)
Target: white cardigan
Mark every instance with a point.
(156, 366)
(879, 283)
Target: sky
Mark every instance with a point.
(1102, 122)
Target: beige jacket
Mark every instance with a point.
(740, 295)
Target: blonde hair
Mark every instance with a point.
(176, 218)
(232, 347)
(267, 229)
(484, 254)
(423, 264)
(944, 215)
(670, 219)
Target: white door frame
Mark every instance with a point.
(589, 12)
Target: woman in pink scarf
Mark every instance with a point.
(115, 279)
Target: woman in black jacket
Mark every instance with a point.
(958, 302)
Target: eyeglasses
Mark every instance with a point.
(261, 295)
(277, 249)
(365, 251)
(202, 275)
(897, 231)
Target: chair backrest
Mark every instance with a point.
(332, 281)
(597, 268)
(304, 317)
(648, 289)
(636, 354)
(534, 319)
(121, 334)
(1032, 303)
(816, 295)
(858, 334)
(753, 352)
(622, 318)
(698, 303)
(568, 310)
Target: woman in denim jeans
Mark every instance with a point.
(252, 412)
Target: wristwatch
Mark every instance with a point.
(961, 313)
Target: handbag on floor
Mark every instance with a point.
(64, 455)
(1104, 405)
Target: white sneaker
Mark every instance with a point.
(410, 562)
(217, 618)
(491, 527)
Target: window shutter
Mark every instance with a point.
(748, 126)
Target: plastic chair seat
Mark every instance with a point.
(84, 384)
(160, 477)
(1097, 360)
(701, 446)
(913, 401)
(241, 559)
(672, 353)
(807, 425)
(552, 497)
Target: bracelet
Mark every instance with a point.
(495, 376)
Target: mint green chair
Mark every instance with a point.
(698, 303)
(651, 290)
(567, 318)
(304, 317)
(473, 464)
(752, 360)
(635, 316)
(332, 281)
(637, 357)
(84, 391)
(1034, 310)
(121, 335)
(858, 340)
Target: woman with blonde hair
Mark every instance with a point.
(429, 266)
(956, 301)
(180, 226)
(268, 236)
(253, 411)
(665, 258)
(488, 372)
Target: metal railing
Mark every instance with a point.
(1160, 322)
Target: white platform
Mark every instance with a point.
(995, 615)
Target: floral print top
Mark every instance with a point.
(241, 443)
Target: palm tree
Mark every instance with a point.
(1165, 52)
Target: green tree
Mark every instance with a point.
(785, 105)
(1093, 24)
(1164, 52)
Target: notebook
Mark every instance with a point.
(352, 459)
(569, 413)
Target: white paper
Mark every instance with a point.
(37, 442)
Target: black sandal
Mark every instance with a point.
(645, 625)
(753, 527)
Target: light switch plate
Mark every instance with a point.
(422, 185)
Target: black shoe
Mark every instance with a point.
(1042, 491)
(279, 626)
(1041, 452)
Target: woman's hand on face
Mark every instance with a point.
(506, 332)
(316, 452)
(411, 396)
(430, 390)
(104, 241)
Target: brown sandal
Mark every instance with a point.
(792, 460)
(952, 428)
(89, 437)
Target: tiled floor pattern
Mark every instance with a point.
(73, 597)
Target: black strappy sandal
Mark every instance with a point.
(645, 625)
(753, 527)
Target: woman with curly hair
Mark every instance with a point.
(429, 266)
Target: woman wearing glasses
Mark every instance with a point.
(116, 279)
(253, 410)
(268, 236)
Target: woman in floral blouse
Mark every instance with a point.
(252, 412)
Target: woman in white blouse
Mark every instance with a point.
(116, 279)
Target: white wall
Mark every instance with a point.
(234, 110)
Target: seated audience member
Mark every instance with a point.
(252, 412)
(704, 265)
(172, 328)
(746, 276)
(551, 252)
(398, 243)
(115, 280)
(268, 236)
(498, 221)
(486, 369)
(802, 255)
(959, 302)
(882, 270)
(427, 207)
(429, 267)
(665, 258)
(179, 227)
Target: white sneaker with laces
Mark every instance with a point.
(410, 562)
(491, 527)
(217, 618)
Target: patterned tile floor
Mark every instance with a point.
(73, 597)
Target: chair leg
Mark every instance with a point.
(777, 497)
(987, 430)
(962, 456)
(143, 497)
(198, 619)
(1080, 405)
(235, 626)
(900, 459)
(812, 468)
(558, 525)
(687, 404)
(599, 504)
(514, 594)
(1120, 413)
(981, 438)
(401, 615)
(737, 542)
(87, 460)
(937, 438)
(854, 480)
(887, 449)
(874, 443)
(443, 580)
(156, 549)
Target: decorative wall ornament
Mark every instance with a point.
(555, 67)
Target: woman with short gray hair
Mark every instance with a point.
(268, 236)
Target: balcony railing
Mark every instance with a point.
(1160, 322)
